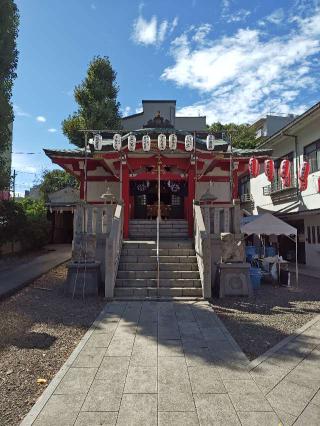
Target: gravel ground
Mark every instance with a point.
(39, 328)
(260, 322)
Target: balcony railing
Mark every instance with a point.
(276, 187)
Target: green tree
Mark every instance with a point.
(54, 180)
(9, 24)
(97, 100)
(243, 136)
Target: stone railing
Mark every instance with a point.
(113, 250)
(93, 219)
(203, 250)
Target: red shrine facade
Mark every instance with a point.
(133, 176)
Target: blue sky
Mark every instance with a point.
(232, 60)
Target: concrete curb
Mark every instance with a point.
(48, 392)
(282, 343)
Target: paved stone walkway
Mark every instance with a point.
(149, 363)
(21, 275)
(289, 376)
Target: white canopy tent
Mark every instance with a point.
(267, 224)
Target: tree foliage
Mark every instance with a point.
(242, 135)
(97, 100)
(9, 24)
(24, 221)
(54, 180)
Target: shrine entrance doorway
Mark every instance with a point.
(144, 196)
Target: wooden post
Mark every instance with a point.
(126, 199)
(235, 194)
(190, 198)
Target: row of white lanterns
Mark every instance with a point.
(146, 142)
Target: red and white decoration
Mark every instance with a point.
(173, 140)
(162, 142)
(254, 167)
(318, 185)
(303, 175)
(210, 142)
(97, 142)
(285, 173)
(146, 143)
(132, 140)
(117, 142)
(269, 169)
(188, 143)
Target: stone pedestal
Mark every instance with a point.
(234, 279)
(83, 279)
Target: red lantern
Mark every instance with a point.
(284, 169)
(319, 184)
(254, 167)
(286, 181)
(269, 169)
(304, 171)
(303, 185)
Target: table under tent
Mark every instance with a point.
(265, 260)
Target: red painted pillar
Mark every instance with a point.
(126, 199)
(190, 198)
(235, 193)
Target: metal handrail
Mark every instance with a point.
(277, 186)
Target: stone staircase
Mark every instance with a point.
(137, 272)
(147, 229)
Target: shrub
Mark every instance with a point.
(24, 221)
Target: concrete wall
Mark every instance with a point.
(96, 189)
(168, 112)
(312, 250)
(220, 189)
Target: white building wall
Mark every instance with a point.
(312, 248)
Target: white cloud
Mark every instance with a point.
(239, 16)
(52, 130)
(201, 33)
(41, 119)
(276, 17)
(247, 74)
(151, 32)
(19, 112)
(126, 111)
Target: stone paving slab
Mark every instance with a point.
(157, 363)
(289, 376)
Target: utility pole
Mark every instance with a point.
(13, 177)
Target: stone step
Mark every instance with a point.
(148, 266)
(152, 258)
(152, 244)
(154, 292)
(162, 226)
(153, 274)
(172, 222)
(162, 252)
(122, 282)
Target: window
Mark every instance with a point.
(313, 235)
(312, 154)
(309, 234)
(244, 185)
(318, 233)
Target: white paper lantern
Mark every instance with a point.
(162, 142)
(132, 142)
(210, 142)
(117, 142)
(146, 142)
(97, 142)
(173, 140)
(188, 143)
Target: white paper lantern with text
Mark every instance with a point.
(117, 142)
(188, 143)
(97, 142)
(210, 142)
(132, 142)
(173, 140)
(146, 142)
(162, 142)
